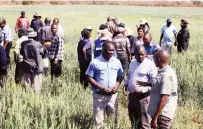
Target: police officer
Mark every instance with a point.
(183, 37)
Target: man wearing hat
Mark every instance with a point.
(144, 24)
(36, 22)
(22, 21)
(32, 52)
(22, 35)
(183, 37)
(84, 51)
(3, 66)
(6, 38)
(168, 32)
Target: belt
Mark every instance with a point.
(105, 93)
(141, 95)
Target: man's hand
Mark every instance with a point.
(154, 123)
(106, 90)
(114, 89)
(125, 90)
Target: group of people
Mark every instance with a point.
(150, 83)
(38, 46)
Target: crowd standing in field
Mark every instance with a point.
(149, 81)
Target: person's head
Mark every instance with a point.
(22, 32)
(116, 21)
(140, 32)
(121, 25)
(54, 28)
(183, 23)
(161, 58)
(109, 18)
(140, 53)
(22, 14)
(2, 23)
(102, 27)
(56, 21)
(36, 16)
(168, 22)
(107, 49)
(31, 34)
(47, 21)
(147, 39)
(86, 34)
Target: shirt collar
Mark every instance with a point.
(111, 59)
(164, 69)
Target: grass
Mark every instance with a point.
(65, 105)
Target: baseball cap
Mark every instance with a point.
(169, 20)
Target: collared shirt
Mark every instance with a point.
(6, 34)
(85, 43)
(22, 22)
(36, 24)
(105, 72)
(57, 47)
(32, 52)
(168, 33)
(19, 57)
(183, 36)
(137, 42)
(165, 84)
(46, 33)
(3, 61)
(121, 43)
(144, 72)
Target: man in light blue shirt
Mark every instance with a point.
(105, 74)
(168, 32)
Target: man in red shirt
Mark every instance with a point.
(22, 21)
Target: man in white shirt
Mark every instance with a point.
(142, 72)
(168, 32)
(22, 32)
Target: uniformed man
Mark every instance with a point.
(183, 37)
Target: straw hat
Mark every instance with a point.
(143, 21)
(104, 34)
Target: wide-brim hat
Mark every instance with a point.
(143, 21)
(31, 33)
(88, 28)
(104, 34)
(36, 15)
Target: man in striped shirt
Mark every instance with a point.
(56, 52)
(6, 38)
(22, 21)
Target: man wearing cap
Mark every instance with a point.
(122, 46)
(183, 37)
(144, 24)
(168, 32)
(105, 74)
(84, 51)
(18, 58)
(6, 38)
(3, 64)
(32, 52)
(36, 23)
(56, 53)
(22, 21)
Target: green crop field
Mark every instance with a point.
(64, 104)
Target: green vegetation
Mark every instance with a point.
(65, 104)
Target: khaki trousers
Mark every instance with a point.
(105, 105)
(33, 81)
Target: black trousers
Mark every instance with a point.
(7, 49)
(83, 67)
(19, 74)
(182, 47)
(56, 69)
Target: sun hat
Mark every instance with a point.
(88, 28)
(31, 33)
(104, 34)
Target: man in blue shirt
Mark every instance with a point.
(3, 64)
(84, 56)
(105, 74)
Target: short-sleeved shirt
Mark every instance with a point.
(105, 72)
(168, 33)
(121, 43)
(6, 34)
(144, 72)
(137, 42)
(85, 43)
(166, 84)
